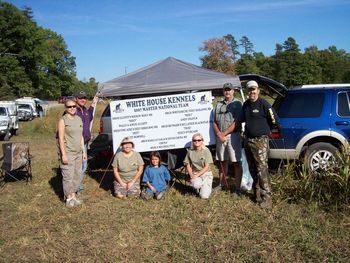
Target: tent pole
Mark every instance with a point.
(104, 174)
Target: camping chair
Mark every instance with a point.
(16, 162)
(176, 166)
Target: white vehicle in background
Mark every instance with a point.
(29, 101)
(12, 107)
(5, 122)
(25, 112)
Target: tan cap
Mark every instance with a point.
(252, 84)
(127, 140)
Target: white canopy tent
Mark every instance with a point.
(166, 76)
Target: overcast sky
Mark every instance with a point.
(111, 37)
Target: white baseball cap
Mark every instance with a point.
(252, 84)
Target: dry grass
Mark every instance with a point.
(37, 227)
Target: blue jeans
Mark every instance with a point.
(84, 167)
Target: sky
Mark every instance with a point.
(109, 38)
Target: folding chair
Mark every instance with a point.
(176, 166)
(16, 162)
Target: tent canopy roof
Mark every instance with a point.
(166, 76)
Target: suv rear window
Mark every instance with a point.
(107, 112)
(343, 104)
(301, 105)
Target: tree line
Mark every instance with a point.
(35, 61)
(288, 65)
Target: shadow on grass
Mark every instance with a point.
(14, 176)
(56, 183)
(101, 171)
(104, 178)
(180, 182)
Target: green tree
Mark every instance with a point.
(234, 46)
(15, 36)
(247, 46)
(288, 63)
(335, 65)
(313, 70)
(33, 61)
(247, 65)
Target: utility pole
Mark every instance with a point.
(125, 70)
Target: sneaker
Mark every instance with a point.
(70, 202)
(160, 195)
(77, 201)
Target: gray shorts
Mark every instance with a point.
(231, 150)
(121, 191)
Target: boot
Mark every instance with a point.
(266, 202)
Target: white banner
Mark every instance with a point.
(163, 122)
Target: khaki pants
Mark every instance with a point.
(71, 173)
(203, 184)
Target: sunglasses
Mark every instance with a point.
(196, 140)
(69, 107)
(82, 98)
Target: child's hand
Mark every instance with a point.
(152, 188)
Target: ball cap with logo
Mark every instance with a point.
(80, 94)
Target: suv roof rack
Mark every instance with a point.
(310, 86)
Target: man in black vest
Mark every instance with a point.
(259, 118)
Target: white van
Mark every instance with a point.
(12, 107)
(30, 101)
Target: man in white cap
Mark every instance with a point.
(259, 118)
(228, 137)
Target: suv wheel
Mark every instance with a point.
(320, 155)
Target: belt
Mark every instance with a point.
(259, 137)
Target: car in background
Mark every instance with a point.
(29, 101)
(12, 107)
(106, 123)
(62, 99)
(25, 112)
(5, 122)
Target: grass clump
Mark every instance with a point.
(329, 188)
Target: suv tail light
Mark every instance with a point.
(276, 133)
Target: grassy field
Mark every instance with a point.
(37, 227)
